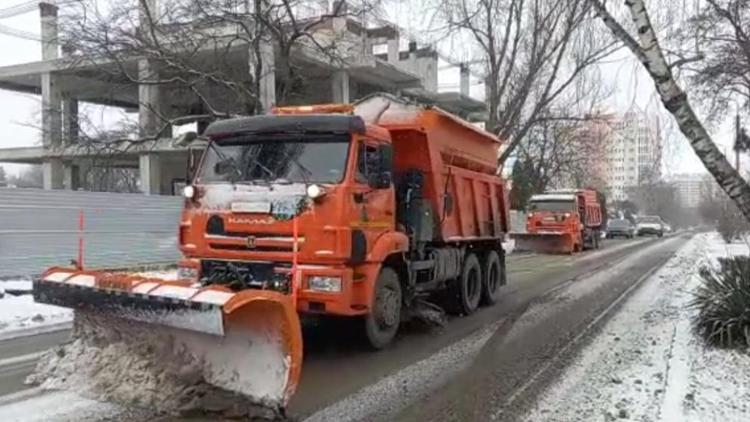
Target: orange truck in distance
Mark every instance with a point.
(352, 211)
(564, 221)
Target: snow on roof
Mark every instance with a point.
(553, 197)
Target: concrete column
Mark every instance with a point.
(393, 50)
(150, 170)
(339, 8)
(51, 111)
(267, 83)
(71, 176)
(340, 87)
(464, 79)
(50, 42)
(52, 168)
(70, 120)
(52, 174)
(51, 96)
(151, 110)
(412, 51)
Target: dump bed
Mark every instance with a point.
(458, 161)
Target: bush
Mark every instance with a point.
(723, 303)
(731, 224)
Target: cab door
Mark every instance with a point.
(372, 207)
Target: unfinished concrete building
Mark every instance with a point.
(375, 62)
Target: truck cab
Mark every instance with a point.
(553, 212)
(329, 175)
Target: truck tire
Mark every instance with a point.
(381, 324)
(494, 272)
(469, 285)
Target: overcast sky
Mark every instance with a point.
(19, 113)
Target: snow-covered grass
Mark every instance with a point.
(21, 313)
(647, 365)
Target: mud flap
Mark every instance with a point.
(249, 341)
(552, 243)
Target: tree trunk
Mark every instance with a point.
(675, 100)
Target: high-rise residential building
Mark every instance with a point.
(633, 153)
(692, 188)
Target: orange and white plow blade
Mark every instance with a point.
(249, 342)
(544, 242)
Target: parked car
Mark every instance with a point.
(620, 227)
(650, 225)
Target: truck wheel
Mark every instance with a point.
(493, 272)
(470, 285)
(381, 324)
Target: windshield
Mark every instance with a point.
(559, 206)
(244, 159)
(619, 223)
(650, 219)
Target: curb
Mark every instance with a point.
(33, 331)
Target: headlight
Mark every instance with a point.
(187, 273)
(314, 191)
(324, 283)
(188, 192)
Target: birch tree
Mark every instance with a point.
(644, 44)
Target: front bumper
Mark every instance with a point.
(326, 302)
(620, 232)
(649, 230)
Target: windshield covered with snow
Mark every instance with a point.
(555, 206)
(308, 159)
(650, 219)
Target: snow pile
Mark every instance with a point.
(63, 406)
(21, 312)
(166, 370)
(16, 286)
(646, 364)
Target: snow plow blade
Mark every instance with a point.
(251, 339)
(551, 243)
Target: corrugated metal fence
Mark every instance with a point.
(40, 228)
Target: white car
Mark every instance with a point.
(650, 224)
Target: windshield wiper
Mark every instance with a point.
(255, 161)
(306, 173)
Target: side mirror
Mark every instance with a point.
(194, 156)
(184, 139)
(225, 166)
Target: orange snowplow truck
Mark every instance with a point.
(564, 221)
(352, 211)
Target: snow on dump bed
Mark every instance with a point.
(20, 313)
(647, 365)
(167, 370)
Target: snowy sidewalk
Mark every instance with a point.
(646, 364)
(20, 316)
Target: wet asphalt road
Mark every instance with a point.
(523, 357)
(335, 366)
